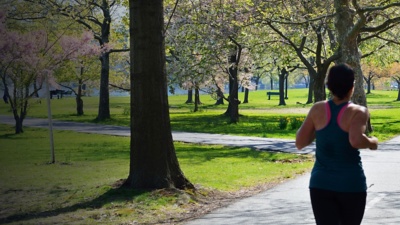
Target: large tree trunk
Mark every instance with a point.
(153, 161)
(347, 38)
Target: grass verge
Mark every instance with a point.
(83, 186)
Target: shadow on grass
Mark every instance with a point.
(9, 136)
(258, 126)
(118, 194)
(199, 155)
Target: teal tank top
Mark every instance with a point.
(338, 165)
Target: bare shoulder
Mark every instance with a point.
(358, 111)
(358, 108)
(318, 107)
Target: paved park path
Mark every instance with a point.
(287, 203)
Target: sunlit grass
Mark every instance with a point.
(260, 117)
(79, 186)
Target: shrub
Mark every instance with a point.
(295, 123)
(283, 122)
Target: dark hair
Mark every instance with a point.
(340, 80)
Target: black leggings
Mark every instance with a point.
(338, 208)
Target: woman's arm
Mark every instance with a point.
(357, 128)
(306, 133)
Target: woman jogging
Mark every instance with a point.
(338, 188)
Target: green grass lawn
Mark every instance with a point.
(80, 187)
(260, 117)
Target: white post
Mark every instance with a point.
(53, 159)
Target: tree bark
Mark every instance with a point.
(282, 74)
(153, 161)
(319, 86)
(246, 95)
(220, 97)
(104, 97)
(310, 91)
(196, 99)
(257, 81)
(233, 106)
(197, 96)
(368, 86)
(347, 38)
(79, 105)
(18, 124)
(271, 82)
(189, 96)
(286, 86)
(398, 91)
(79, 101)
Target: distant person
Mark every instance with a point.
(338, 187)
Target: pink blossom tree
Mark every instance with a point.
(26, 58)
(83, 61)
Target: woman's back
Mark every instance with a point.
(338, 165)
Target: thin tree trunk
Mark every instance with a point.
(189, 96)
(282, 74)
(319, 87)
(272, 83)
(246, 96)
(233, 107)
(257, 81)
(369, 86)
(220, 97)
(153, 161)
(79, 101)
(286, 86)
(104, 98)
(310, 91)
(398, 93)
(196, 99)
(197, 96)
(18, 125)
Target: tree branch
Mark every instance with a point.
(170, 17)
(121, 88)
(119, 50)
(374, 51)
(381, 8)
(382, 26)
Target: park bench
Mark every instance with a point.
(269, 93)
(59, 93)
